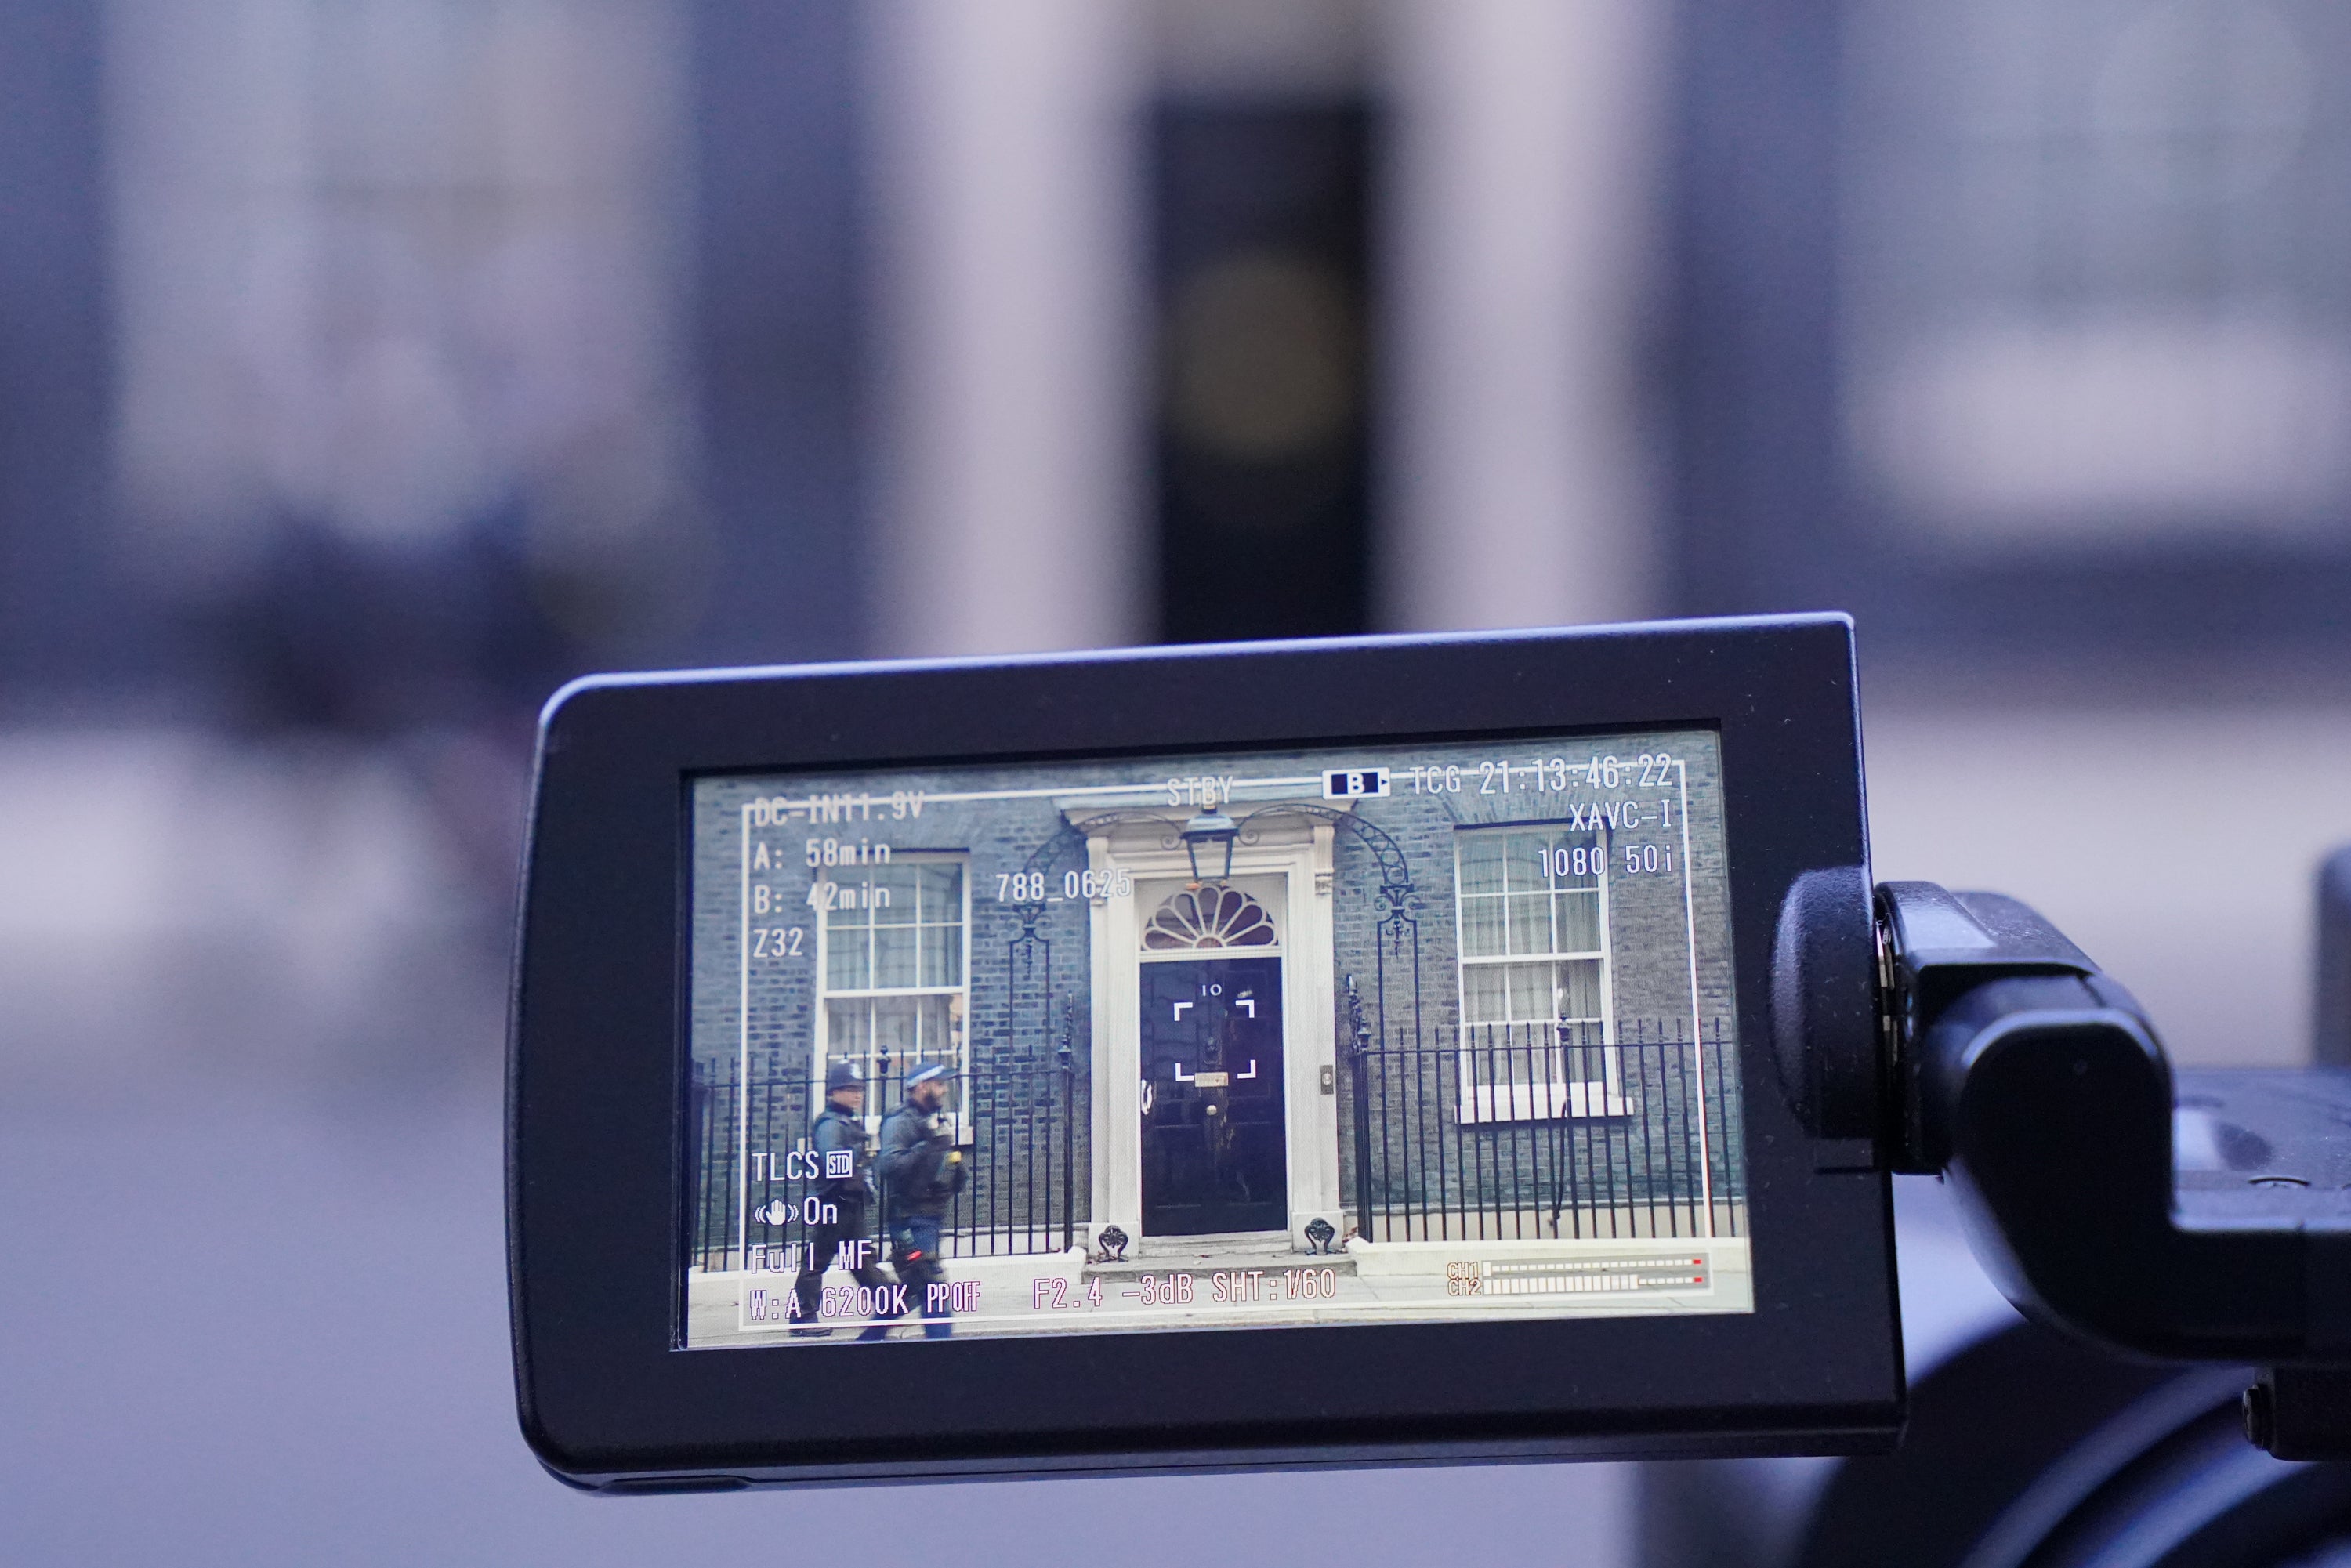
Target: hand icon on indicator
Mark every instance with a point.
(775, 1213)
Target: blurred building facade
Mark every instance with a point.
(372, 368)
(498, 341)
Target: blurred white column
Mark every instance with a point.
(1521, 215)
(1007, 178)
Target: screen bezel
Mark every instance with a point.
(596, 1151)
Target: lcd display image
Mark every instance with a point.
(1391, 1034)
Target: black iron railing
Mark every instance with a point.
(1018, 1134)
(1531, 1132)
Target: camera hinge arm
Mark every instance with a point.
(2037, 1086)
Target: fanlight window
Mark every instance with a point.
(1209, 917)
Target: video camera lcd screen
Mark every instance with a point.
(1391, 1034)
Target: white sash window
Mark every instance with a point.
(894, 958)
(1536, 1033)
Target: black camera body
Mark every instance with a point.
(1330, 1085)
(1367, 1051)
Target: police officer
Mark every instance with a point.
(922, 1170)
(838, 1141)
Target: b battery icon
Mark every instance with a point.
(1354, 783)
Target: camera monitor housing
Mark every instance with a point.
(1356, 1051)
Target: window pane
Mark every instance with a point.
(950, 1020)
(1525, 862)
(849, 1031)
(845, 966)
(898, 1033)
(893, 957)
(1580, 987)
(942, 955)
(1481, 863)
(1532, 991)
(1579, 922)
(1530, 922)
(942, 893)
(1483, 998)
(1481, 928)
(848, 944)
(894, 893)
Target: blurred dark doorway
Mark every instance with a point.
(1260, 284)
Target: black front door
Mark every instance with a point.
(1215, 1154)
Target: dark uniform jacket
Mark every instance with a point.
(914, 1164)
(837, 1130)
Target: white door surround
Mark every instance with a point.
(1284, 862)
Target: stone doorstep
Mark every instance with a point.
(1267, 1250)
